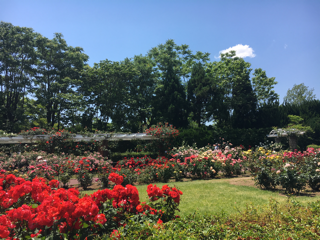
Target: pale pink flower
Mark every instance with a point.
(287, 165)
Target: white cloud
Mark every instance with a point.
(285, 46)
(242, 51)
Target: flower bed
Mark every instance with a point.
(201, 163)
(291, 170)
(37, 208)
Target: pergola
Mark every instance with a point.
(279, 133)
(79, 138)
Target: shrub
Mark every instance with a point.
(292, 178)
(38, 209)
(291, 170)
(84, 176)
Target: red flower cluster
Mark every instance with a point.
(155, 193)
(35, 206)
(116, 178)
(162, 130)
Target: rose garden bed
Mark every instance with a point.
(282, 172)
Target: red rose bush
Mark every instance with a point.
(39, 209)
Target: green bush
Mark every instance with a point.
(313, 146)
(291, 170)
(292, 178)
(208, 134)
(291, 220)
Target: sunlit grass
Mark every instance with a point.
(219, 196)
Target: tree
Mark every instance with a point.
(174, 64)
(238, 102)
(263, 88)
(17, 59)
(299, 94)
(244, 104)
(106, 90)
(141, 93)
(244, 101)
(268, 113)
(58, 73)
(174, 104)
(199, 93)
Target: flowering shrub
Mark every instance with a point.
(37, 208)
(84, 175)
(41, 170)
(267, 167)
(207, 162)
(103, 175)
(312, 167)
(164, 135)
(34, 131)
(291, 170)
(167, 199)
(57, 141)
(292, 178)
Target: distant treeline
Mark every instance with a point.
(46, 83)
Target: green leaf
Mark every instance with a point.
(34, 205)
(85, 225)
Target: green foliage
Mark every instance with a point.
(290, 170)
(313, 146)
(292, 178)
(142, 89)
(299, 94)
(17, 67)
(129, 176)
(272, 221)
(84, 177)
(58, 69)
(164, 137)
(64, 178)
(238, 100)
(312, 168)
(263, 87)
(200, 94)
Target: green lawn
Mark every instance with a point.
(219, 196)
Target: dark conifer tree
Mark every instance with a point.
(199, 91)
(173, 101)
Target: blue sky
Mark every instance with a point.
(281, 37)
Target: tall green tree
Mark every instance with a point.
(17, 59)
(106, 90)
(238, 101)
(299, 94)
(200, 94)
(58, 75)
(264, 87)
(141, 93)
(174, 64)
(244, 104)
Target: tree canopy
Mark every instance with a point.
(45, 82)
(299, 94)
